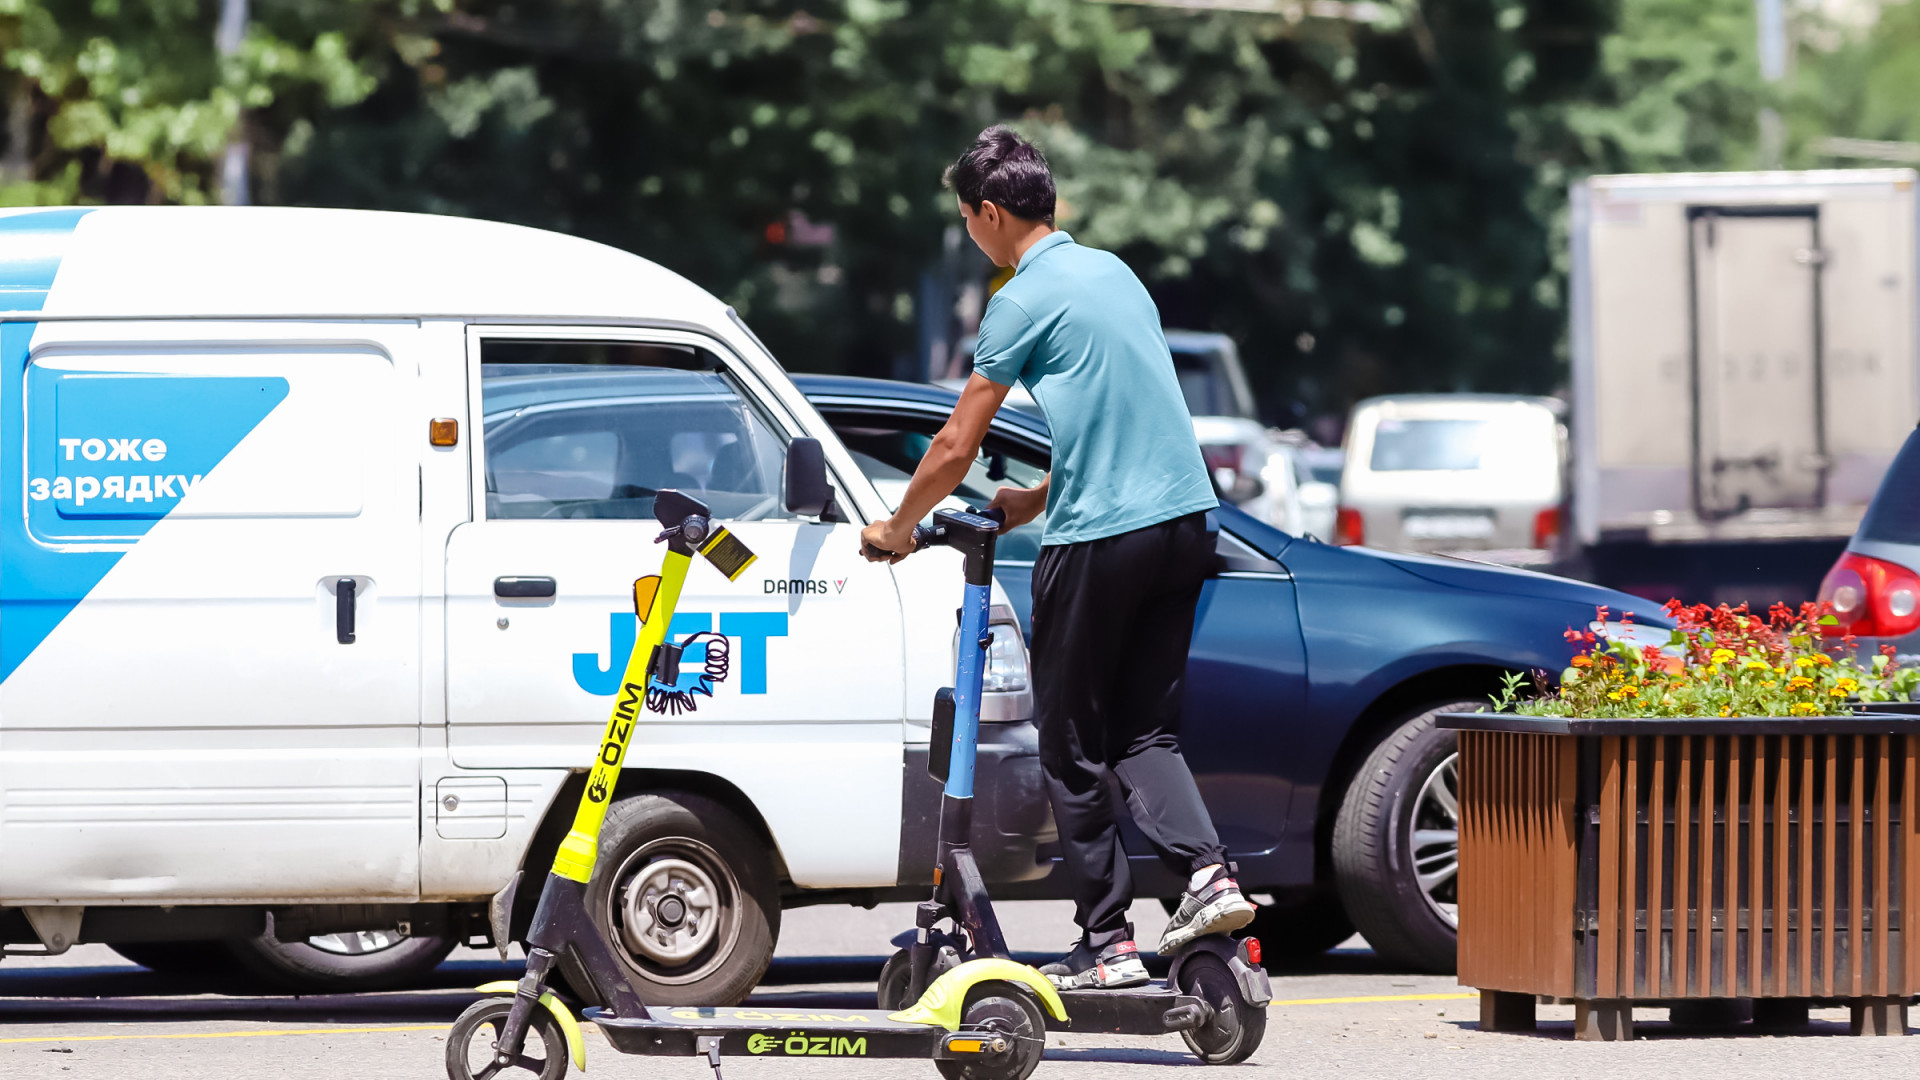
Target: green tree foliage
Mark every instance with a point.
(130, 102)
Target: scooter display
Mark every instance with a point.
(982, 1019)
(1215, 994)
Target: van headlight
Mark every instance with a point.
(1007, 671)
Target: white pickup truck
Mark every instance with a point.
(316, 543)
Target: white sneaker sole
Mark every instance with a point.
(1134, 974)
(1221, 917)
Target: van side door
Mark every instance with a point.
(792, 685)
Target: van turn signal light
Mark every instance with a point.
(444, 431)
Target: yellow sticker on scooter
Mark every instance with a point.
(644, 591)
(727, 554)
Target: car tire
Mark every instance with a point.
(1392, 826)
(685, 892)
(340, 963)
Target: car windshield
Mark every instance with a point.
(1894, 516)
(1414, 445)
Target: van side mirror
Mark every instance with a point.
(807, 491)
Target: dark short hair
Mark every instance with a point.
(1006, 169)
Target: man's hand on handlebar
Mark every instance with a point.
(886, 541)
(1021, 505)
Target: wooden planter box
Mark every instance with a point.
(1713, 865)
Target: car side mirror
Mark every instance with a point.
(807, 491)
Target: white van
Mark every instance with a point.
(319, 533)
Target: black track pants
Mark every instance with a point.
(1112, 621)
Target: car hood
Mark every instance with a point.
(1511, 581)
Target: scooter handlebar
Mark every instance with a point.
(992, 519)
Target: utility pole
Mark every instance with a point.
(233, 163)
(1773, 68)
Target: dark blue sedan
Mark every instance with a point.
(1312, 683)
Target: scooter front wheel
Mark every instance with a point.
(896, 982)
(470, 1045)
(1002, 1009)
(1237, 1026)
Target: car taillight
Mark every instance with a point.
(1224, 456)
(1349, 527)
(1546, 527)
(1871, 597)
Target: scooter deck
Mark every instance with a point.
(1139, 1010)
(764, 1032)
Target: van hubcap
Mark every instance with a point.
(676, 909)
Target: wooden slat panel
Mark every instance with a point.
(1703, 935)
(1606, 969)
(1659, 982)
(1683, 901)
(1856, 846)
(1730, 874)
(1909, 864)
(1829, 839)
(1783, 772)
(1807, 750)
(1565, 761)
(1755, 865)
(1628, 824)
(1882, 911)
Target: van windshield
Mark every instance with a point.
(1894, 515)
(1414, 445)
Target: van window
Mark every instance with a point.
(1894, 515)
(582, 429)
(1412, 445)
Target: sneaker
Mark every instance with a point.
(1111, 968)
(1216, 908)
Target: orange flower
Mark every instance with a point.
(1583, 660)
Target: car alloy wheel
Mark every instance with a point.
(1435, 840)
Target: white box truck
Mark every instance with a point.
(1744, 368)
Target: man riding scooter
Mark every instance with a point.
(1125, 552)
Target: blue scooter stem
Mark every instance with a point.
(975, 637)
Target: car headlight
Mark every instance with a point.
(1007, 671)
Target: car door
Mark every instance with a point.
(211, 615)
(792, 691)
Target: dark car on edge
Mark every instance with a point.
(1313, 679)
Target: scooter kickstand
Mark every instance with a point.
(710, 1046)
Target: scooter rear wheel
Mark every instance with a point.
(1237, 1026)
(895, 982)
(470, 1045)
(1005, 1009)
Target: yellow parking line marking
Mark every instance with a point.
(228, 1034)
(1367, 1000)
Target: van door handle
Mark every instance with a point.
(343, 591)
(520, 588)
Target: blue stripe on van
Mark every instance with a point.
(43, 579)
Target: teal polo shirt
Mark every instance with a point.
(1079, 330)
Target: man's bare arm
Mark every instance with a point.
(944, 465)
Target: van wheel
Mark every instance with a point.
(684, 891)
(341, 963)
(1396, 844)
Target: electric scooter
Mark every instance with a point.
(1215, 994)
(982, 1019)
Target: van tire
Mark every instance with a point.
(1373, 845)
(303, 968)
(681, 843)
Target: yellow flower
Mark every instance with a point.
(1630, 691)
(1805, 708)
(1768, 685)
(1847, 685)
(1722, 656)
(1799, 682)
(1726, 712)
(1804, 661)
(1823, 660)
(1755, 665)
(1616, 695)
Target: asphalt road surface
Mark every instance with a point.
(89, 1015)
